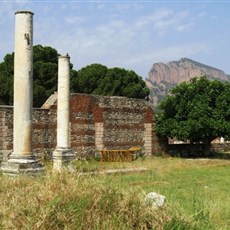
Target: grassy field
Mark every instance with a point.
(196, 191)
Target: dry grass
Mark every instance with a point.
(67, 201)
(197, 197)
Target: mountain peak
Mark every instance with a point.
(163, 76)
(183, 70)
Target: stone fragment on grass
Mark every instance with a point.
(154, 199)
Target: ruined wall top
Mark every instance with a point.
(52, 100)
(120, 102)
(104, 101)
(116, 101)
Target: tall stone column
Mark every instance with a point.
(22, 160)
(63, 154)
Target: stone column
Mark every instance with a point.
(148, 139)
(63, 154)
(22, 160)
(99, 136)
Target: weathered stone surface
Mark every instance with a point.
(22, 160)
(18, 167)
(23, 86)
(96, 122)
(6, 130)
(164, 76)
(183, 70)
(63, 154)
(62, 158)
(154, 200)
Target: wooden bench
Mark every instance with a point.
(118, 155)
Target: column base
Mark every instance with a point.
(22, 165)
(62, 158)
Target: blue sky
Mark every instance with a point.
(128, 34)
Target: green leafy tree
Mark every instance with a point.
(6, 80)
(89, 78)
(45, 71)
(198, 110)
(100, 80)
(92, 79)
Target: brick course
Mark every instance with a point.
(96, 122)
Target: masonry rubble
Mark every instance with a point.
(154, 200)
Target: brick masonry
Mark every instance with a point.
(97, 122)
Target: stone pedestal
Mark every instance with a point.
(62, 158)
(22, 160)
(63, 155)
(19, 166)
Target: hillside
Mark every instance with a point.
(162, 77)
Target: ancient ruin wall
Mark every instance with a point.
(6, 129)
(44, 130)
(123, 122)
(82, 124)
(102, 122)
(96, 123)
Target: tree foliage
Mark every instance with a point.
(45, 71)
(45, 68)
(6, 80)
(98, 79)
(198, 110)
(92, 79)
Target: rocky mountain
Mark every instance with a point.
(162, 77)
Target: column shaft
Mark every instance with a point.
(63, 155)
(22, 161)
(63, 102)
(23, 78)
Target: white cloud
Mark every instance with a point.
(129, 6)
(157, 16)
(7, 18)
(184, 27)
(202, 14)
(74, 20)
(163, 20)
(214, 17)
(118, 41)
(114, 34)
(145, 59)
(170, 53)
(7, 10)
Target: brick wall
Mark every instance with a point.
(44, 130)
(124, 122)
(100, 122)
(6, 129)
(96, 123)
(82, 122)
